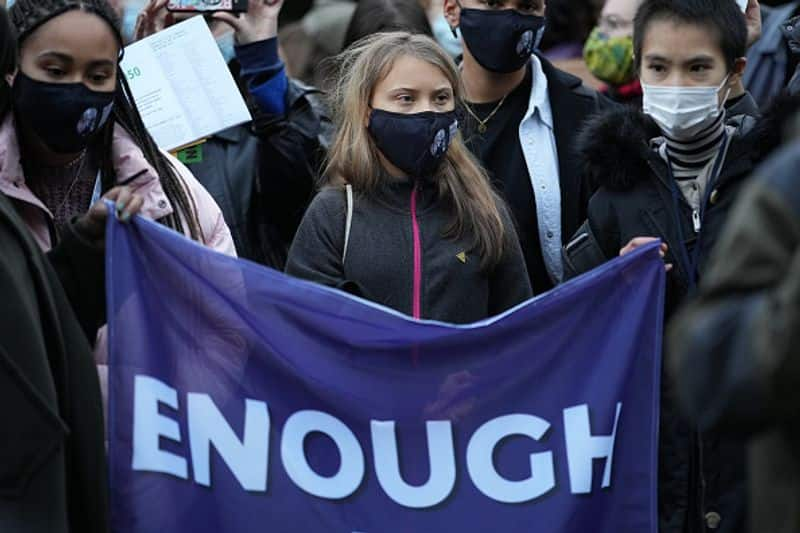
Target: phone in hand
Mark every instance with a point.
(207, 6)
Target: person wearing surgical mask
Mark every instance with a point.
(670, 174)
(447, 39)
(608, 54)
(522, 119)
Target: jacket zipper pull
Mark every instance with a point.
(696, 220)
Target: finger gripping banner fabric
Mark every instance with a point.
(246, 401)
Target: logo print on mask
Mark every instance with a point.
(453, 129)
(439, 145)
(106, 112)
(525, 44)
(86, 123)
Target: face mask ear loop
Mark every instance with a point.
(727, 94)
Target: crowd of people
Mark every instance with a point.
(448, 159)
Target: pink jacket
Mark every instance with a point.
(130, 166)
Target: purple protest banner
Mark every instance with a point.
(246, 401)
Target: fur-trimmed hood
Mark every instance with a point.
(614, 147)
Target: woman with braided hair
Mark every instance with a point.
(72, 132)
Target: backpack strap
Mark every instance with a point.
(348, 221)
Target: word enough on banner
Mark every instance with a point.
(250, 401)
(248, 459)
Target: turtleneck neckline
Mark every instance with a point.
(689, 158)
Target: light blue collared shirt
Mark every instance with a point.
(538, 143)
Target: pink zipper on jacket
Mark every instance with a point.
(416, 306)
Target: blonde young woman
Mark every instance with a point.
(426, 235)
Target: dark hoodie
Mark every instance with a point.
(384, 259)
(701, 477)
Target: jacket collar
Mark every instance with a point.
(571, 103)
(746, 105)
(612, 152)
(549, 89)
(539, 100)
(739, 159)
(396, 193)
(130, 166)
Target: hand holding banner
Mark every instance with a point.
(243, 400)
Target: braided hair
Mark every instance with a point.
(8, 60)
(26, 17)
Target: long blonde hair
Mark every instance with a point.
(354, 158)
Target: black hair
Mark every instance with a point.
(27, 16)
(569, 21)
(723, 17)
(377, 16)
(8, 59)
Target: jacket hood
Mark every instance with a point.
(614, 147)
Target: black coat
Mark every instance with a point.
(734, 349)
(53, 475)
(701, 477)
(263, 174)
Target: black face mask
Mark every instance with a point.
(416, 143)
(64, 116)
(501, 40)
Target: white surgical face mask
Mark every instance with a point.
(683, 112)
(444, 36)
(128, 20)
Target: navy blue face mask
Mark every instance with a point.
(64, 116)
(415, 143)
(501, 40)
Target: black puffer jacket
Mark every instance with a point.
(701, 477)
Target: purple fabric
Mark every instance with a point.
(244, 356)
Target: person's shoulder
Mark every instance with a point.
(193, 186)
(329, 202)
(214, 229)
(779, 175)
(330, 196)
(759, 137)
